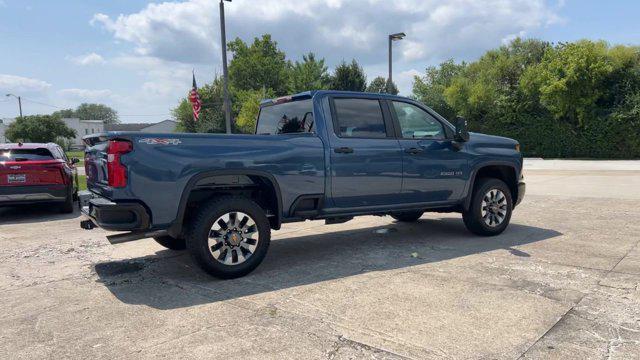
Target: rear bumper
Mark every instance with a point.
(12, 195)
(522, 189)
(113, 216)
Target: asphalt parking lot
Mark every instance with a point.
(562, 282)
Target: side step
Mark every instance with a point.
(337, 220)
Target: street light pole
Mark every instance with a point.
(225, 72)
(19, 102)
(392, 38)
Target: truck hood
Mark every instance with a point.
(491, 139)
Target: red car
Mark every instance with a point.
(37, 173)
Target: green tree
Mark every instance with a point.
(259, 66)
(429, 89)
(211, 118)
(579, 99)
(248, 103)
(310, 74)
(379, 85)
(349, 77)
(86, 111)
(65, 113)
(39, 129)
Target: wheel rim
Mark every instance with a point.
(233, 238)
(494, 207)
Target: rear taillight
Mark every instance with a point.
(116, 172)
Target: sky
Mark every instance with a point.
(137, 56)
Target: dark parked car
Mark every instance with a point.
(316, 155)
(37, 173)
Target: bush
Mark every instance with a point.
(579, 100)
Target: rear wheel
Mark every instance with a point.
(408, 216)
(171, 243)
(490, 210)
(229, 237)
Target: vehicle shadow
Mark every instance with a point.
(166, 282)
(33, 213)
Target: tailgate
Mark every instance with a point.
(25, 173)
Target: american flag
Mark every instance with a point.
(194, 98)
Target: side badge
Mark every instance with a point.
(160, 141)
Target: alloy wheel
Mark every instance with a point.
(233, 238)
(494, 207)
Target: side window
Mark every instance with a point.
(286, 118)
(359, 118)
(416, 123)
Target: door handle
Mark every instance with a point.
(343, 150)
(413, 150)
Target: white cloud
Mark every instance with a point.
(188, 31)
(88, 59)
(85, 94)
(19, 84)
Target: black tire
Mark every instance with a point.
(171, 243)
(473, 218)
(67, 206)
(199, 229)
(408, 216)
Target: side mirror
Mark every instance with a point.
(74, 161)
(462, 134)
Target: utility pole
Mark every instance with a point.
(19, 102)
(225, 72)
(392, 38)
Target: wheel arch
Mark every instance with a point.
(223, 181)
(504, 171)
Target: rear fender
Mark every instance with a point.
(223, 178)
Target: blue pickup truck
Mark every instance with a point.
(328, 155)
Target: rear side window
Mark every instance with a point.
(360, 118)
(25, 154)
(286, 118)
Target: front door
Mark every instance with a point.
(366, 159)
(434, 170)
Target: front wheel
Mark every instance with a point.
(229, 237)
(490, 209)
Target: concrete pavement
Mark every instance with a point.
(562, 282)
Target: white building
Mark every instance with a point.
(88, 127)
(82, 128)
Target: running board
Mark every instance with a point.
(133, 236)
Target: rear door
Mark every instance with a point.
(29, 166)
(366, 160)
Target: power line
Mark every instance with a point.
(41, 103)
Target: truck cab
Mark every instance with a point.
(328, 155)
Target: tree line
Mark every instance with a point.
(261, 70)
(576, 99)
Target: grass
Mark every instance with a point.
(82, 182)
(76, 154)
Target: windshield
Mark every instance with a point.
(25, 154)
(286, 118)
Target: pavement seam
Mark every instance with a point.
(522, 356)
